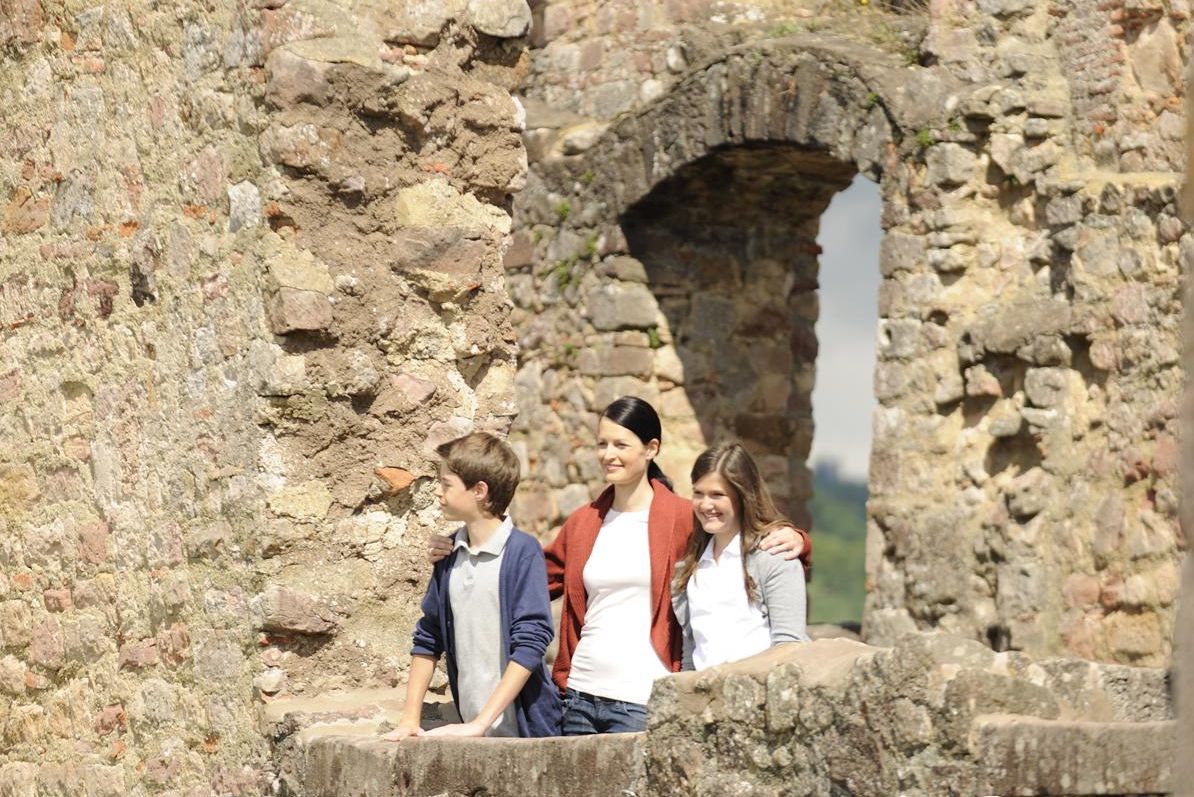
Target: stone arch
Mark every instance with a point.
(846, 101)
(617, 214)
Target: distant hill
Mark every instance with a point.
(838, 590)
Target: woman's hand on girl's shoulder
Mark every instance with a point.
(785, 541)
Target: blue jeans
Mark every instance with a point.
(585, 714)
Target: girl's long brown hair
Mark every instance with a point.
(753, 505)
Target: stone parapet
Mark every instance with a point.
(935, 715)
(1019, 755)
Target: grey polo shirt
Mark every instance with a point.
(476, 614)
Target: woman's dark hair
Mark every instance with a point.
(631, 412)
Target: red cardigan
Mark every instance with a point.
(669, 527)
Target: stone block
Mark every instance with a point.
(1029, 493)
(218, 656)
(947, 374)
(292, 79)
(100, 780)
(581, 138)
(628, 269)
(1047, 387)
(18, 779)
(616, 361)
(949, 164)
(244, 206)
(622, 306)
(293, 311)
(437, 204)
(139, 654)
(668, 365)
(503, 19)
(288, 610)
(23, 214)
(16, 623)
(18, 485)
(305, 500)
(901, 252)
(1022, 755)
(292, 267)
(12, 676)
(57, 600)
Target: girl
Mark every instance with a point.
(731, 599)
(613, 561)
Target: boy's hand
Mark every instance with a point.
(786, 541)
(463, 729)
(438, 546)
(403, 731)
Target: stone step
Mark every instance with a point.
(1029, 756)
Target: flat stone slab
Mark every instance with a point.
(579, 766)
(1028, 756)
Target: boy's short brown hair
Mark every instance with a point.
(481, 457)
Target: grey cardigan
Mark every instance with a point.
(780, 585)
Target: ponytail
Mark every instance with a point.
(655, 473)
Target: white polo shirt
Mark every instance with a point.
(725, 625)
(477, 616)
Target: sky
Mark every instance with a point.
(844, 396)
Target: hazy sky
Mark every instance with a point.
(844, 397)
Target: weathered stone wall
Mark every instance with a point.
(1023, 473)
(250, 253)
(935, 715)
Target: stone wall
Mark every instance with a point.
(1023, 473)
(250, 254)
(935, 715)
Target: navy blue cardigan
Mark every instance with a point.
(526, 629)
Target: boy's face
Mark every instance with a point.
(457, 501)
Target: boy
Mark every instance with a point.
(486, 606)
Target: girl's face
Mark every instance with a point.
(623, 457)
(716, 508)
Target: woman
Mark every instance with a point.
(613, 561)
(731, 599)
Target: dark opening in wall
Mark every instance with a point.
(731, 253)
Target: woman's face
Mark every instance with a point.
(623, 457)
(716, 509)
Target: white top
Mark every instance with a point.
(614, 658)
(725, 625)
(477, 621)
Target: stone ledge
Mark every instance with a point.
(583, 766)
(1029, 756)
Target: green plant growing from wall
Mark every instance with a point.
(924, 138)
(653, 339)
(786, 28)
(563, 209)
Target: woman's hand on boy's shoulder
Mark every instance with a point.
(785, 541)
(438, 546)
